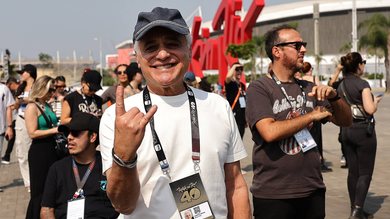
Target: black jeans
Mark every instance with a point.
(311, 207)
(360, 150)
(10, 145)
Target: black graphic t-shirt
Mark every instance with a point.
(281, 169)
(82, 103)
(61, 185)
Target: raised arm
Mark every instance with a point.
(229, 76)
(335, 75)
(123, 187)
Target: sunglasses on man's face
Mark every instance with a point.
(297, 45)
(60, 86)
(364, 62)
(240, 69)
(74, 133)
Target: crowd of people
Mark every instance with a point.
(170, 148)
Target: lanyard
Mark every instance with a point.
(278, 82)
(194, 132)
(80, 185)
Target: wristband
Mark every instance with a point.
(127, 164)
(335, 98)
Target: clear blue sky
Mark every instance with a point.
(34, 26)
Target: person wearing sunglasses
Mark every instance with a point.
(359, 140)
(235, 94)
(85, 99)
(58, 97)
(128, 76)
(122, 79)
(78, 177)
(27, 77)
(287, 181)
(41, 123)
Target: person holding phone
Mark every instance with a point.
(360, 143)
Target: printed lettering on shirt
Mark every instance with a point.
(282, 105)
(289, 145)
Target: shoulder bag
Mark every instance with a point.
(61, 140)
(356, 109)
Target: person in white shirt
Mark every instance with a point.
(192, 132)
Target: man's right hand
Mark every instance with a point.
(129, 127)
(320, 113)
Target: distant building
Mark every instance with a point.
(125, 54)
(335, 27)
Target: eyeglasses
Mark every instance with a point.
(297, 45)
(239, 68)
(364, 62)
(120, 72)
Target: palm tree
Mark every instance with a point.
(377, 37)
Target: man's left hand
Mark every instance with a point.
(322, 92)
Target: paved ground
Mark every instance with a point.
(14, 199)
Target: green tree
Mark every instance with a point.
(377, 36)
(259, 42)
(244, 51)
(46, 60)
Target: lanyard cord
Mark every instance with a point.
(80, 185)
(194, 132)
(279, 83)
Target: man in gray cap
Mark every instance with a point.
(181, 157)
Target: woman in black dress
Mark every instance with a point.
(42, 153)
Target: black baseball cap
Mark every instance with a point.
(160, 17)
(81, 121)
(32, 70)
(93, 78)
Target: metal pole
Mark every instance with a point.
(316, 17)
(101, 58)
(354, 27)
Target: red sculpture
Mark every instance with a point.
(209, 53)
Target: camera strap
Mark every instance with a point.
(194, 132)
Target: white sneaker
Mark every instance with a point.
(4, 162)
(343, 162)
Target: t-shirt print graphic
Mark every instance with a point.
(289, 145)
